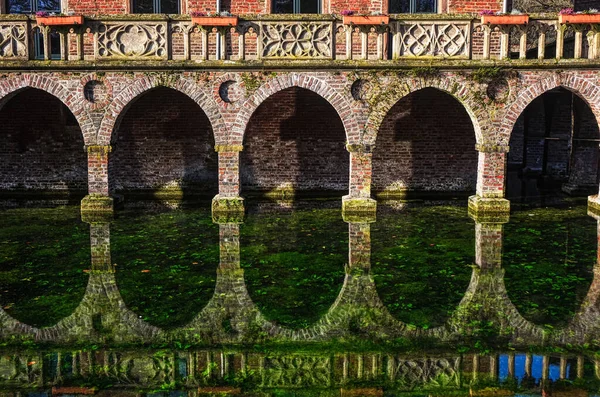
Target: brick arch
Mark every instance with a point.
(458, 90)
(583, 88)
(280, 83)
(141, 86)
(14, 85)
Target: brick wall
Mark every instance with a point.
(98, 6)
(557, 115)
(425, 143)
(464, 6)
(41, 146)
(164, 141)
(295, 139)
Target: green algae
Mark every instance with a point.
(422, 260)
(43, 255)
(294, 263)
(165, 263)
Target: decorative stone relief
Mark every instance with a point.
(132, 40)
(13, 40)
(426, 371)
(297, 371)
(434, 39)
(296, 40)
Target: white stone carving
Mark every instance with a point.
(296, 40)
(132, 40)
(13, 40)
(434, 39)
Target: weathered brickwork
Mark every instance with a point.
(425, 143)
(164, 143)
(465, 6)
(281, 124)
(295, 140)
(41, 146)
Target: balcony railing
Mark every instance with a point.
(274, 37)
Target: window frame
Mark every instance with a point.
(296, 8)
(438, 5)
(156, 5)
(33, 7)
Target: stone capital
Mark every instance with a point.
(98, 149)
(229, 148)
(491, 148)
(360, 148)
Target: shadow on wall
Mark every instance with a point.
(41, 146)
(164, 148)
(425, 147)
(294, 145)
(554, 147)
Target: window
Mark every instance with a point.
(156, 6)
(38, 45)
(412, 6)
(296, 6)
(31, 6)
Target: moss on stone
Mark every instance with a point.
(97, 208)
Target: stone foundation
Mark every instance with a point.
(489, 210)
(97, 208)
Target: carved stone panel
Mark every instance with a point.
(297, 371)
(296, 40)
(13, 40)
(133, 40)
(445, 39)
(426, 372)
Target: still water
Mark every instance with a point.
(295, 301)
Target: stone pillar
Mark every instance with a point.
(359, 245)
(100, 246)
(228, 200)
(488, 245)
(98, 201)
(491, 171)
(359, 198)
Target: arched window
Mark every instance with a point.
(296, 6)
(412, 6)
(31, 6)
(155, 6)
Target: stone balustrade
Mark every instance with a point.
(295, 37)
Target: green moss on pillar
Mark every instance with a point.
(227, 209)
(358, 208)
(490, 210)
(97, 208)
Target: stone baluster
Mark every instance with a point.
(523, 42)
(491, 170)
(505, 41)
(349, 29)
(560, 40)
(487, 38)
(578, 41)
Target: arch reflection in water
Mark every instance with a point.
(231, 314)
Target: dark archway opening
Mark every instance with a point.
(425, 147)
(294, 145)
(164, 147)
(41, 146)
(554, 148)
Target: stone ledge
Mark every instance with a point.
(228, 209)
(359, 210)
(594, 206)
(97, 208)
(489, 210)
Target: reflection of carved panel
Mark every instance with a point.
(142, 369)
(132, 40)
(296, 40)
(297, 371)
(13, 40)
(427, 371)
(434, 39)
(19, 370)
